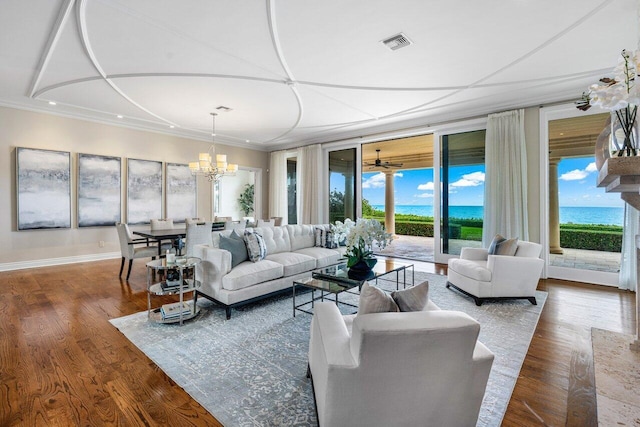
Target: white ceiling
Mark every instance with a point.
(302, 71)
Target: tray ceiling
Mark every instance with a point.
(298, 72)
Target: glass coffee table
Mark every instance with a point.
(335, 280)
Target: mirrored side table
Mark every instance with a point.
(173, 278)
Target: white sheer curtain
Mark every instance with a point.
(628, 260)
(505, 194)
(309, 195)
(278, 185)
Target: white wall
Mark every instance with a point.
(20, 128)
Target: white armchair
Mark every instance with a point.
(423, 368)
(484, 277)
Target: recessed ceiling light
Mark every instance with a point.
(247, 140)
(171, 126)
(52, 103)
(119, 116)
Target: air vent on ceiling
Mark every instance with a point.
(397, 41)
(224, 109)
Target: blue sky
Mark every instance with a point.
(576, 186)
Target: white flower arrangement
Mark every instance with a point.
(361, 236)
(617, 92)
(621, 95)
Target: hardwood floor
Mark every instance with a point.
(62, 363)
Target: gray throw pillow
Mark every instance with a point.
(374, 300)
(237, 248)
(492, 247)
(256, 247)
(412, 299)
(507, 247)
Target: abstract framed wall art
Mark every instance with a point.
(144, 191)
(99, 190)
(43, 188)
(181, 192)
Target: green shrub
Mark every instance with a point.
(595, 240)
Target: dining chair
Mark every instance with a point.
(266, 223)
(130, 247)
(198, 234)
(188, 221)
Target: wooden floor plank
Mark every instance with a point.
(58, 351)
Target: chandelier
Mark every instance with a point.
(205, 166)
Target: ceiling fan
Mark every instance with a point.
(380, 164)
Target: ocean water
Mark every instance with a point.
(568, 214)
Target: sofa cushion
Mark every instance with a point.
(234, 244)
(374, 300)
(323, 256)
(276, 239)
(251, 273)
(293, 263)
(476, 270)
(301, 236)
(412, 299)
(256, 249)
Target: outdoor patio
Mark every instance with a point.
(421, 249)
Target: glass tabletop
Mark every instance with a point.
(340, 272)
(332, 286)
(160, 264)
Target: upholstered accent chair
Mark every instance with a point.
(131, 248)
(484, 277)
(422, 368)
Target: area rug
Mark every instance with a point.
(617, 372)
(251, 370)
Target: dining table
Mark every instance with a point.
(171, 234)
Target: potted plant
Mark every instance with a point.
(246, 199)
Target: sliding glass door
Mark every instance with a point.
(342, 186)
(584, 227)
(462, 191)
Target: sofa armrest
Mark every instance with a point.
(474, 254)
(481, 368)
(215, 264)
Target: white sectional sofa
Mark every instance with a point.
(291, 255)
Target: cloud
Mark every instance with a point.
(424, 195)
(473, 179)
(574, 175)
(376, 181)
(426, 186)
(578, 174)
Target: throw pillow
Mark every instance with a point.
(256, 248)
(329, 242)
(374, 300)
(507, 247)
(320, 237)
(492, 247)
(236, 247)
(412, 299)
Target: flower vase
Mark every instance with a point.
(623, 133)
(362, 270)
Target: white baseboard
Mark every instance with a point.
(19, 265)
